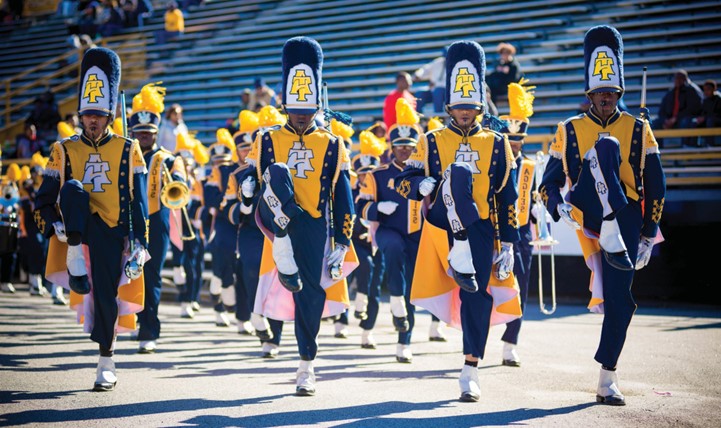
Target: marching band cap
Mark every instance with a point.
(302, 69)
(147, 108)
(99, 82)
(465, 75)
(405, 132)
(603, 60)
(248, 120)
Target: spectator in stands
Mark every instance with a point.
(112, 18)
(435, 73)
(130, 14)
(174, 24)
(233, 123)
(87, 21)
(144, 10)
(16, 9)
(45, 116)
(506, 70)
(67, 7)
(490, 105)
(27, 143)
(261, 96)
(710, 112)
(171, 127)
(73, 120)
(402, 90)
(680, 107)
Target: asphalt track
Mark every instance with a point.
(206, 376)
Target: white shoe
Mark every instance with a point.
(404, 353)
(305, 379)
(469, 383)
(367, 340)
(270, 350)
(510, 356)
(36, 285)
(7, 287)
(186, 310)
(461, 258)
(608, 391)
(179, 276)
(435, 333)
(246, 328)
(105, 378)
(221, 319)
(341, 330)
(195, 306)
(147, 347)
(76, 260)
(283, 255)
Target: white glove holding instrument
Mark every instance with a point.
(336, 256)
(60, 231)
(427, 186)
(645, 246)
(564, 210)
(387, 207)
(504, 259)
(248, 187)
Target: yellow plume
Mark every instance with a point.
(341, 129)
(65, 130)
(13, 173)
(151, 98)
(38, 160)
(434, 123)
(24, 173)
(270, 116)
(224, 138)
(184, 142)
(370, 144)
(118, 126)
(405, 113)
(520, 99)
(249, 121)
(200, 153)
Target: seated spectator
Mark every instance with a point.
(27, 143)
(434, 73)
(130, 14)
(402, 90)
(174, 24)
(112, 19)
(170, 127)
(45, 116)
(87, 22)
(144, 11)
(505, 70)
(710, 112)
(262, 95)
(233, 124)
(680, 107)
(490, 105)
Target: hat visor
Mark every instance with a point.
(614, 89)
(96, 112)
(145, 128)
(301, 110)
(465, 106)
(243, 146)
(404, 142)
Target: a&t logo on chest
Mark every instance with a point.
(299, 159)
(96, 172)
(465, 154)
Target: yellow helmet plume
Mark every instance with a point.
(370, 144)
(225, 139)
(341, 129)
(25, 173)
(405, 113)
(270, 116)
(184, 142)
(38, 160)
(65, 130)
(118, 126)
(13, 172)
(434, 123)
(200, 153)
(249, 121)
(520, 99)
(151, 98)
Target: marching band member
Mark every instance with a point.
(616, 196)
(9, 209)
(221, 241)
(306, 210)
(396, 223)
(163, 168)
(370, 270)
(93, 205)
(468, 174)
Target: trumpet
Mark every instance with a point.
(544, 238)
(176, 196)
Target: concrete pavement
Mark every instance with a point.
(203, 375)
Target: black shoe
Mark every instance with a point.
(511, 363)
(404, 360)
(360, 315)
(619, 260)
(341, 335)
(467, 281)
(79, 284)
(291, 283)
(104, 386)
(368, 346)
(264, 335)
(611, 400)
(401, 324)
(438, 339)
(304, 392)
(469, 397)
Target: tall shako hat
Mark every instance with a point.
(603, 60)
(99, 82)
(147, 108)
(302, 69)
(465, 75)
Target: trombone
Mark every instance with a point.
(543, 238)
(176, 195)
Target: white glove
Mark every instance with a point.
(564, 210)
(198, 224)
(387, 207)
(504, 260)
(337, 255)
(212, 211)
(537, 209)
(138, 253)
(645, 246)
(427, 186)
(248, 187)
(60, 231)
(245, 209)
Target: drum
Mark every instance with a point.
(8, 233)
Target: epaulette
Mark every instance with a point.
(572, 118)
(241, 168)
(75, 137)
(382, 167)
(433, 131)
